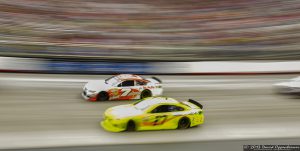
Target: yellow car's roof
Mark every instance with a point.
(155, 100)
(158, 100)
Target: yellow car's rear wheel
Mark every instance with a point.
(184, 123)
(131, 126)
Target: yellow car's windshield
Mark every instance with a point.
(148, 102)
(142, 105)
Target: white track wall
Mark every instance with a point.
(8, 64)
(227, 67)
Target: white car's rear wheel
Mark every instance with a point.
(145, 94)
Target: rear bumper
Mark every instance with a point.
(157, 92)
(198, 121)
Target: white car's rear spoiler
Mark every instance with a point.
(158, 80)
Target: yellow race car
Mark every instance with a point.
(153, 113)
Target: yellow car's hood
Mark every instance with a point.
(123, 111)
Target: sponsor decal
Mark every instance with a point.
(123, 93)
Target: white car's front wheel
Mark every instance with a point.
(103, 96)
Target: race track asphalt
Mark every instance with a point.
(46, 110)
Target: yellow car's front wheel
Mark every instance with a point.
(131, 126)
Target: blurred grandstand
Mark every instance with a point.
(151, 30)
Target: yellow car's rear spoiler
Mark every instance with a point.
(196, 103)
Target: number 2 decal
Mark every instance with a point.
(125, 92)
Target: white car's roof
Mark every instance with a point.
(122, 77)
(127, 76)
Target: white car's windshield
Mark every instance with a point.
(112, 80)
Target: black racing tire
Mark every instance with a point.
(145, 94)
(102, 96)
(184, 123)
(131, 126)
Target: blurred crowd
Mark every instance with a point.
(150, 30)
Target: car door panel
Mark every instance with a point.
(156, 121)
(128, 93)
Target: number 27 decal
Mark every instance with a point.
(160, 120)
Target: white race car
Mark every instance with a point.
(289, 87)
(122, 87)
